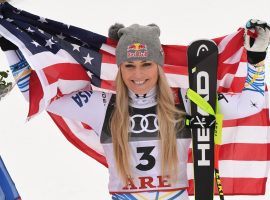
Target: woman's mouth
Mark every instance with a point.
(139, 82)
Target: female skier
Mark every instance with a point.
(141, 127)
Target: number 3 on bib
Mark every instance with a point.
(151, 161)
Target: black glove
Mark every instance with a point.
(6, 44)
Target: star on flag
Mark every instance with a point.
(42, 20)
(49, 43)
(76, 47)
(88, 59)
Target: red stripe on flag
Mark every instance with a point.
(238, 186)
(58, 120)
(35, 94)
(111, 42)
(242, 151)
(237, 86)
(225, 69)
(108, 58)
(182, 70)
(109, 85)
(65, 71)
(175, 55)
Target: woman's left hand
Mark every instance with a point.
(257, 35)
(256, 40)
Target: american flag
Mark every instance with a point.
(66, 59)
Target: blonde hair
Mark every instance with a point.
(169, 118)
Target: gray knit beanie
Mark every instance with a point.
(137, 42)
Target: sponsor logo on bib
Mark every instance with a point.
(143, 123)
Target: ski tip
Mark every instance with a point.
(202, 40)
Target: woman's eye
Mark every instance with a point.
(147, 64)
(129, 66)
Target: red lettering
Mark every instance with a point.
(130, 185)
(162, 181)
(146, 181)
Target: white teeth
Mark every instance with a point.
(139, 82)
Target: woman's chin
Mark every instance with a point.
(139, 91)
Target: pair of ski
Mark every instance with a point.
(202, 70)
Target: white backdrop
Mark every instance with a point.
(42, 163)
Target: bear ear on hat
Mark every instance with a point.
(155, 27)
(113, 31)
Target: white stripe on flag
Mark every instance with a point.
(243, 169)
(222, 45)
(108, 71)
(241, 70)
(177, 80)
(245, 134)
(69, 86)
(46, 59)
(108, 49)
(49, 91)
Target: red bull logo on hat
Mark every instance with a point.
(137, 50)
(136, 47)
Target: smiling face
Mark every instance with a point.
(139, 76)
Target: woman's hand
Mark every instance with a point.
(256, 40)
(6, 44)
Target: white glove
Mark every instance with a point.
(257, 35)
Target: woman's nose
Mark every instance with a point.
(137, 72)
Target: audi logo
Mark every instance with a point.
(143, 123)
